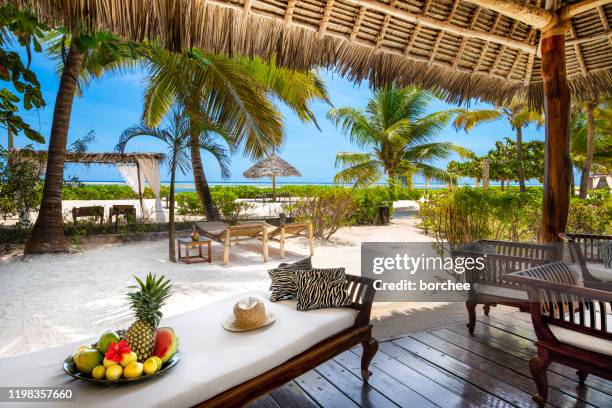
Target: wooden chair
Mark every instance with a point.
(361, 293)
(224, 233)
(584, 251)
(488, 286)
(95, 211)
(573, 325)
(293, 229)
(128, 211)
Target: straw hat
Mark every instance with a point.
(249, 314)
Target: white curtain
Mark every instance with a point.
(150, 169)
(130, 175)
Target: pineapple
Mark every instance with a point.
(146, 302)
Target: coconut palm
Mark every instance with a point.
(397, 133)
(77, 52)
(177, 135)
(232, 91)
(517, 113)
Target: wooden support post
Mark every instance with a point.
(311, 238)
(264, 244)
(485, 173)
(282, 242)
(226, 247)
(557, 168)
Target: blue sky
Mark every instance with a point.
(113, 104)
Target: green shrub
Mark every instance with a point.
(188, 203)
(230, 208)
(591, 215)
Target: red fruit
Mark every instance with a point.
(166, 344)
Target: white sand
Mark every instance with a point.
(51, 300)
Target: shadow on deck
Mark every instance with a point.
(444, 367)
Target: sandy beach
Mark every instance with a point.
(50, 300)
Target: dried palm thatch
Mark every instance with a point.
(86, 158)
(460, 48)
(272, 166)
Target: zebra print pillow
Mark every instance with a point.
(321, 288)
(283, 279)
(605, 249)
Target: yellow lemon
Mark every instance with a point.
(128, 358)
(150, 366)
(98, 372)
(133, 370)
(158, 361)
(114, 372)
(82, 348)
(107, 363)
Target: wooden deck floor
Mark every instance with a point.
(445, 367)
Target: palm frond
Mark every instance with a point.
(469, 119)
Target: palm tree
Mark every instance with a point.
(517, 113)
(232, 91)
(397, 133)
(176, 135)
(77, 52)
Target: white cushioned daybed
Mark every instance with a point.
(213, 360)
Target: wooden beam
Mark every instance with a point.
(357, 25)
(464, 39)
(604, 21)
(289, 12)
(430, 22)
(325, 19)
(590, 38)
(534, 16)
(383, 31)
(247, 6)
(572, 10)
(577, 49)
(557, 167)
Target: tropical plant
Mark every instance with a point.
(177, 137)
(230, 91)
(78, 53)
(398, 134)
(23, 27)
(19, 182)
(517, 113)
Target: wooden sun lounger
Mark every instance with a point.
(293, 229)
(361, 292)
(224, 233)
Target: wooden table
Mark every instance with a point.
(189, 243)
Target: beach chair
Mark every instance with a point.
(224, 233)
(94, 211)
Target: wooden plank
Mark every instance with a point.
(291, 395)
(568, 385)
(468, 392)
(470, 373)
(517, 328)
(353, 387)
(497, 369)
(265, 401)
(525, 350)
(398, 392)
(322, 391)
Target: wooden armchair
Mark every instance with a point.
(584, 250)
(94, 211)
(573, 324)
(489, 286)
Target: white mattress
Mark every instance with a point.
(586, 341)
(213, 359)
(515, 294)
(599, 271)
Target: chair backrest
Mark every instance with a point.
(555, 299)
(589, 244)
(544, 251)
(577, 254)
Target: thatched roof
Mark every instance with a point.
(271, 166)
(463, 48)
(88, 158)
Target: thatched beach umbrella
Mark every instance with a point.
(272, 166)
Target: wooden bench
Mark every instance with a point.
(361, 291)
(95, 211)
(584, 251)
(128, 211)
(489, 286)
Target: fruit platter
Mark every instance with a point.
(142, 351)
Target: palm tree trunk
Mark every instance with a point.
(48, 232)
(588, 160)
(171, 243)
(519, 156)
(201, 184)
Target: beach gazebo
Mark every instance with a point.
(135, 168)
(546, 51)
(272, 166)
